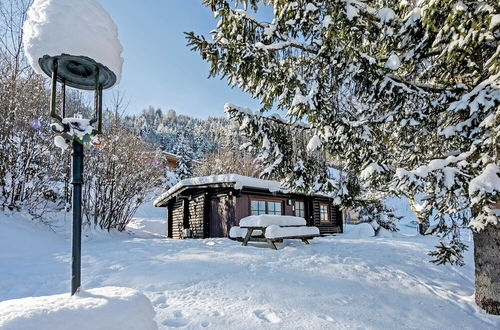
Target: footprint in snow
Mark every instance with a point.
(160, 302)
(267, 316)
(116, 267)
(177, 322)
(217, 314)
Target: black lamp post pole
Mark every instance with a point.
(76, 238)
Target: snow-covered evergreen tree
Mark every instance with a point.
(185, 155)
(378, 215)
(229, 157)
(406, 92)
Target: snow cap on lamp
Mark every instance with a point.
(74, 27)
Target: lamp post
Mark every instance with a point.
(75, 43)
(82, 73)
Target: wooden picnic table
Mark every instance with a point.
(271, 241)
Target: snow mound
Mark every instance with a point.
(265, 220)
(148, 227)
(74, 27)
(384, 233)
(104, 308)
(363, 230)
(277, 231)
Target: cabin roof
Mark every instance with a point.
(234, 180)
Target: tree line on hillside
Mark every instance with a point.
(203, 146)
(165, 129)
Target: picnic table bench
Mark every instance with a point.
(274, 229)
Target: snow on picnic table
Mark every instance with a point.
(334, 283)
(265, 220)
(237, 232)
(277, 231)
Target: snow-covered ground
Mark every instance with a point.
(97, 309)
(334, 283)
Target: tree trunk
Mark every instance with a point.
(487, 261)
(422, 219)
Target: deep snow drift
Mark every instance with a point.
(334, 283)
(97, 309)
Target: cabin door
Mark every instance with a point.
(221, 216)
(215, 218)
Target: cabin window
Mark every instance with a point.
(300, 209)
(324, 212)
(266, 207)
(258, 207)
(274, 208)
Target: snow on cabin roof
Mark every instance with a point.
(239, 182)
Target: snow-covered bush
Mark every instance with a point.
(117, 177)
(379, 216)
(31, 169)
(227, 161)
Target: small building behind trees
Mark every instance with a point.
(209, 206)
(171, 159)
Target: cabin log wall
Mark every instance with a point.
(197, 215)
(177, 219)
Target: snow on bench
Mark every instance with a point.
(265, 220)
(286, 232)
(275, 233)
(237, 232)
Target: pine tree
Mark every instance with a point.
(185, 154)
(406, 93)
(379, 216)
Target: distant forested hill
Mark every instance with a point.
(166, 130)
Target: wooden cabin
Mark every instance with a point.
(171, 159)
(209, 206)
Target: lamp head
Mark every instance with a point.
(79, 72)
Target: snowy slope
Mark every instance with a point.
(334, 283)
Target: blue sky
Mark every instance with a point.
(159, 69)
